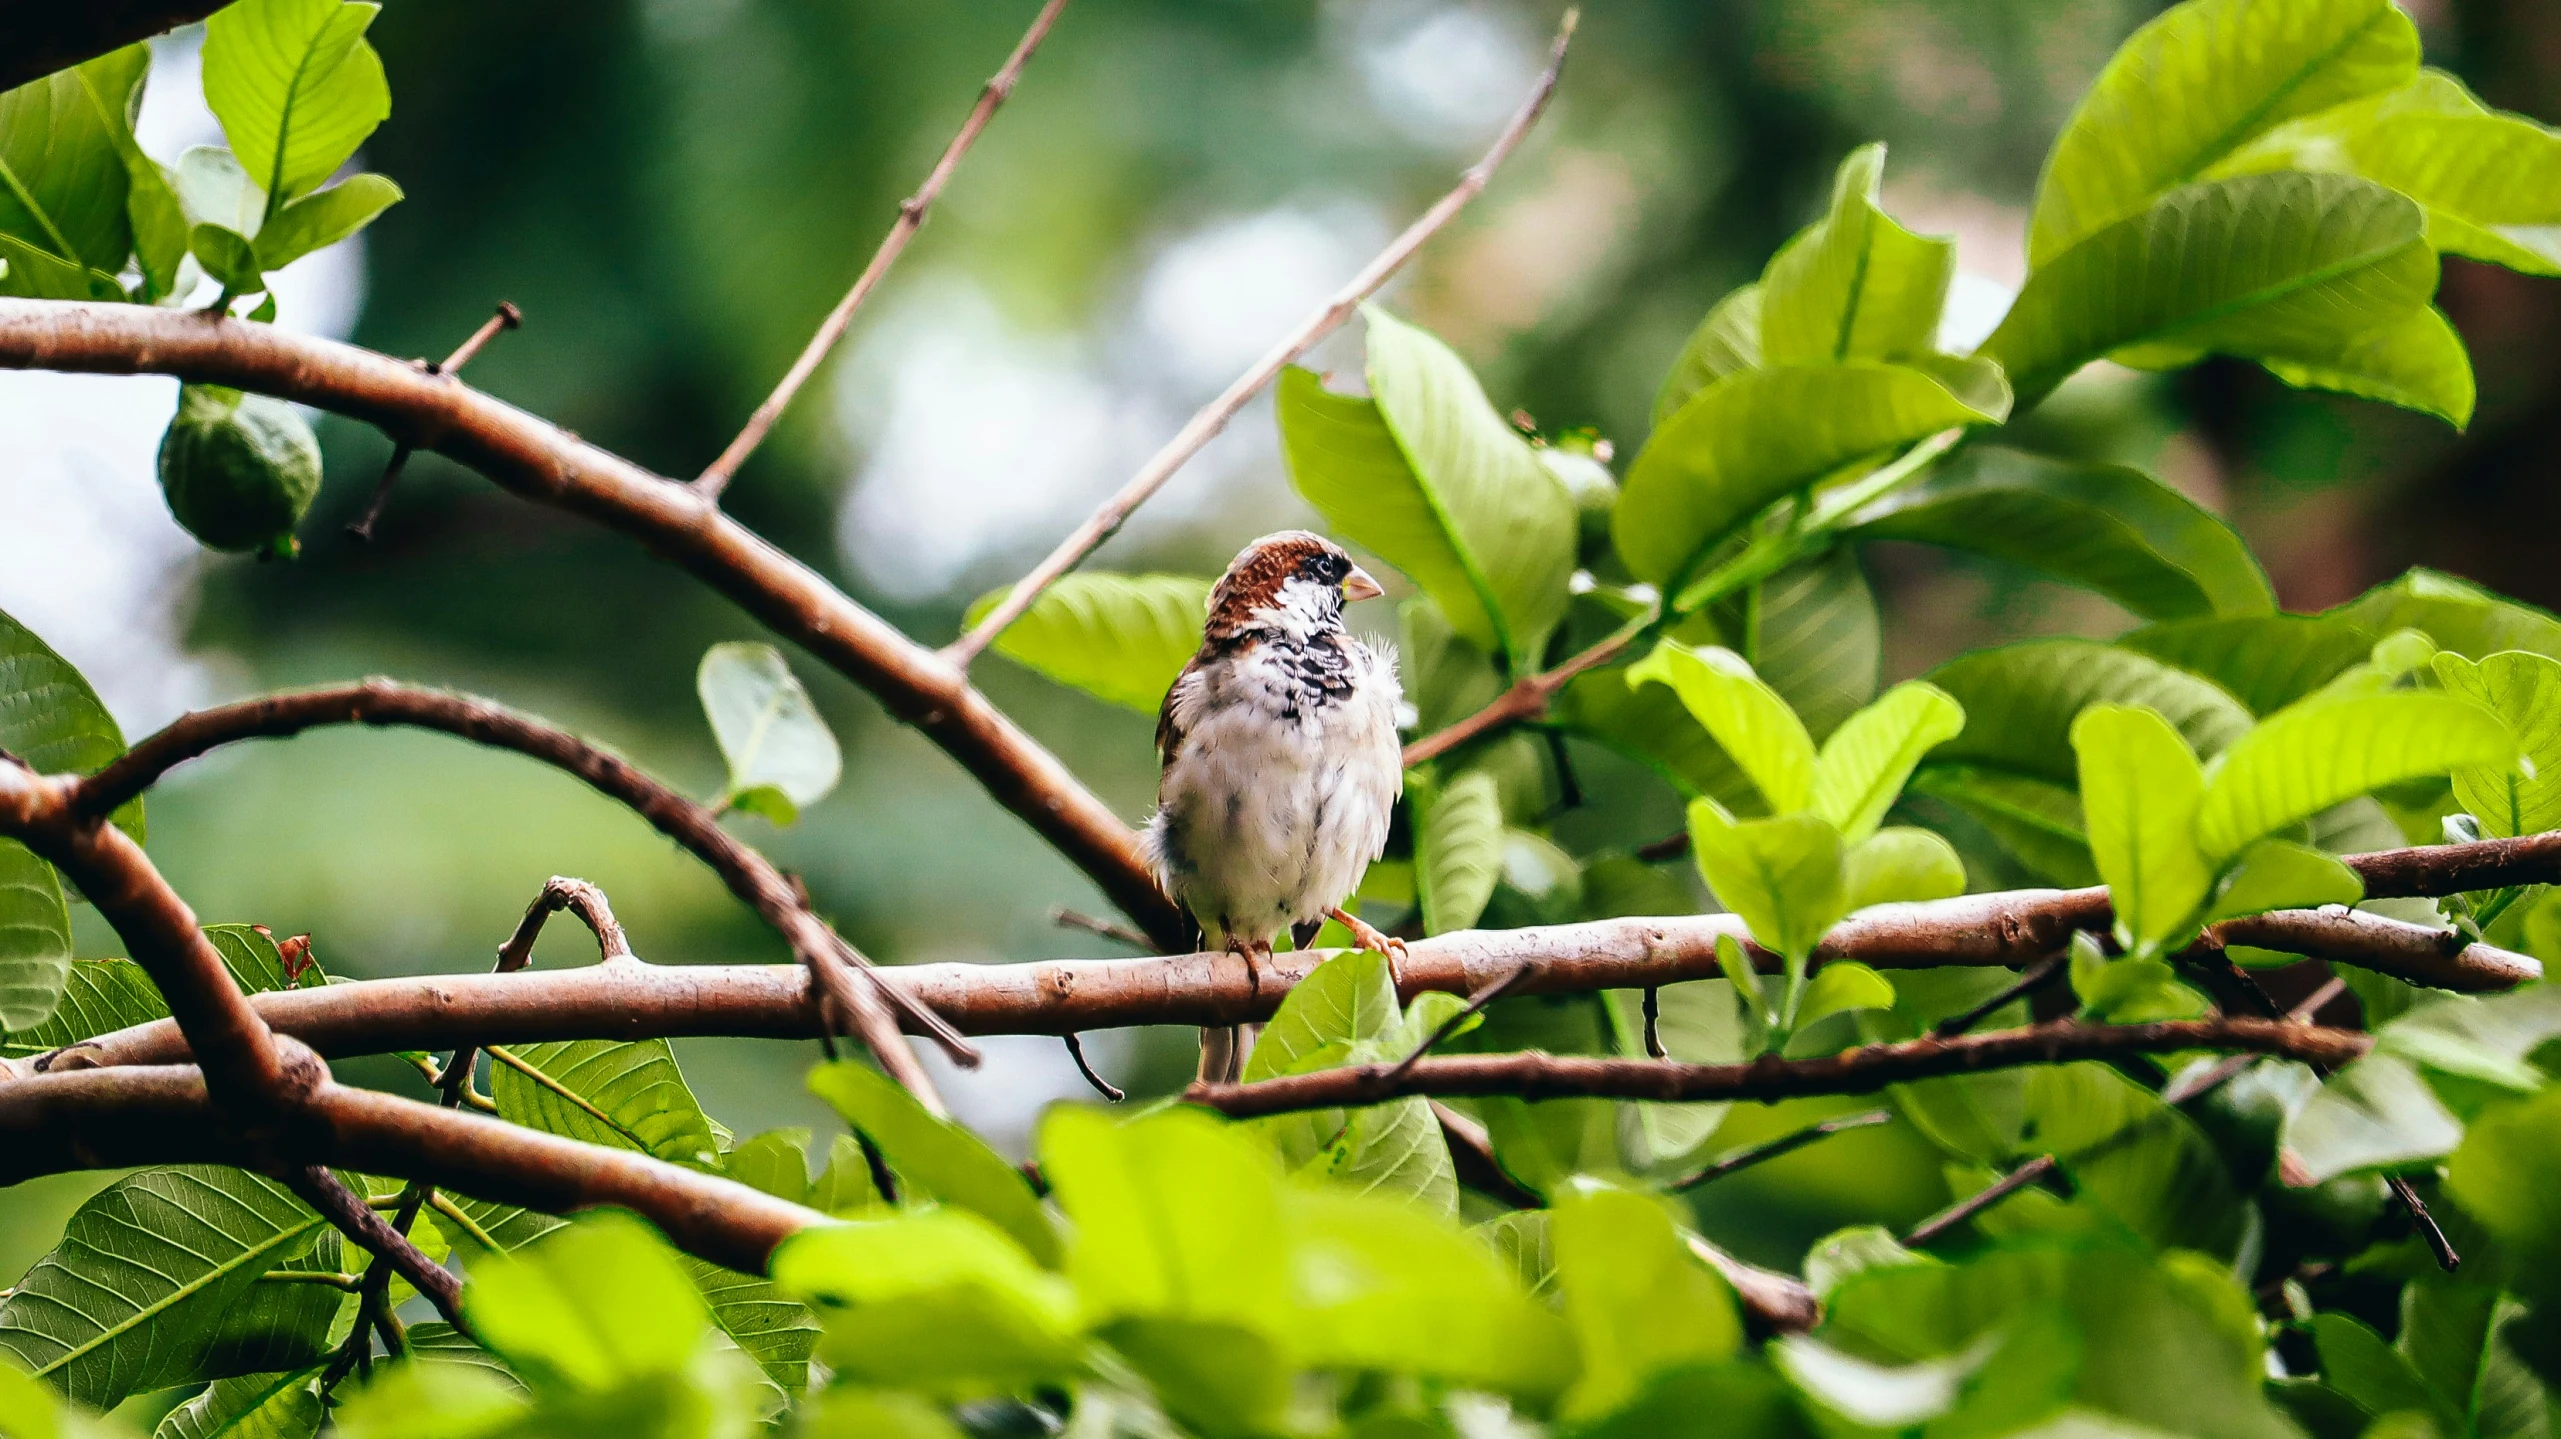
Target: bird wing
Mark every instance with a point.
(1173, 721)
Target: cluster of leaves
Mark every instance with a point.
(2267, 179)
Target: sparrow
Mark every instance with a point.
(1280, 764)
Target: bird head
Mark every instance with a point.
(1293, 580)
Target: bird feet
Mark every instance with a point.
(1253, 952)
(1378, 941)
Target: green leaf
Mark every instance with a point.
(231, 260)
(35, 938)
(2306, 758)
(1638, 1302)
(114, 82)
(296, 87)
(50, 717)
(2458, 615)
(254, 1406)
(2130, 990)
(846, 1185)
(1901, 865)
(2020, 701)
(2021, 820)
(2523, 689)
(1820, 641)
(1448, 678)
(1698, 1022)
(1840, 987)
(62, 180)
(323, 218)
(2504, 1176)
(2280, 874)
(213, 190)
(1648, 724)
(2197, 83)
(2356, 1362)
(1119, 638)
(2323, 278)
(1783, 876)
(1345, 1012)
(2106, 528)
(2487, 179)
(1347, 1000)
(2490, 1038)
(1749, 720)
(431, 1399)
(940, 1159)
(846, 1412)
(768, 1326)
(1976, 1117)
(1875, 1396)
(1173, 1212)
(1856, 286)
(769, 732)
(2376, 1113)
(143, 1289)
(1728, 340)
(623, 1094)
(938, 1300)
(1756, 436)
(1460, 851)
(775, 1162)
(596, 1303)
(2265, 661)
(1428, 476)
(1865, 764)
(29, 273)
(2140, 787)
(104, 995)
(2135, 1158)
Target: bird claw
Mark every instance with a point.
(1370, 937)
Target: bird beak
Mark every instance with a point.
(1359, 586)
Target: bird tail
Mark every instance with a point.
(1222, 1053)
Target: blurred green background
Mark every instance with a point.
(675, 190)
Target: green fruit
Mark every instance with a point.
(239, 470)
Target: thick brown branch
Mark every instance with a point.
(1856, 1071)
(1213, 417)
(38, 37)
(540, 462)
(342, 1207)
(911, 218)
(1064, 996)
(112, 1118)
(748, 874)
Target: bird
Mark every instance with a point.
(1279, 761)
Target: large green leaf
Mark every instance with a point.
(935, 1158)
(2028, 822)
(2134, 1157)
(1748, 719)
(253, 1406)
(2265, 661)
(2199, 82)
(1459, 851)
(2490, 182)
(2103, 527)
(1727, 340)
(2504, 1175)
(1345, 1012)
(1756, 436)
(1820, 642)
(1648, 724)
(323, 218)
(769, 1326)
(624, 1094)
(1864, 765)
(939, 1300)
(2377, 1113)
(2020, 701)
(103, 995)
(2140, 787)
(152, 1279)
(1855, 286)
(782, 757)
(2523, 689)
(2321, 752)
(1638, 1302)
(51, 718)
(62, 179)
(296, 87)
(115, 83)
(1784, 876)
(2458, 615)
(1448, 678)
(1119, 638)
(1975, 1117)
(35, 938)
(2325, 279)
(1427, 475)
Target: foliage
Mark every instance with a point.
(2271, 181)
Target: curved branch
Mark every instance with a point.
(540, 462)
(1856, 1071)
(114, 1118)
(637, 1001)
(379, 702)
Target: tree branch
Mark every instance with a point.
(38, 37)
(542, 463)
(1857, 1071)
(349, 1213)
(378, 702)
(911, 218)
(1213, 417)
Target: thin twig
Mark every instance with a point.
(1102, 1086)
(1066, 918)
(2223, 1070)
(2447, 1259)
(1213, 417)
(1784, 1144)
(2034, 1171)
(508, 317)
(1475, 1005)
(581, 899)
(911, 218)
(1471, 1152)
(316, 1186)
(1528, 699)
(2036, 977)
